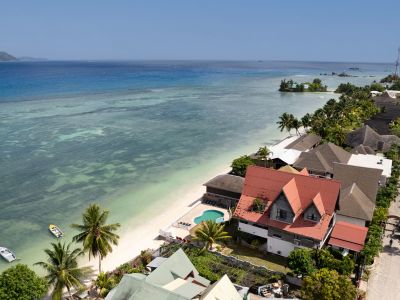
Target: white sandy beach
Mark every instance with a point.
(139, 238)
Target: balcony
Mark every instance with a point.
(253, 230)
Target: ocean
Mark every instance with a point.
(132, 135)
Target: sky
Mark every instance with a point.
(339, 30)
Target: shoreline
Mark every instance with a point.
(145, 236)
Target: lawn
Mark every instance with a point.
(271, 261)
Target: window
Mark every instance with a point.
(312, 217)
(277, 235)
(281, 214)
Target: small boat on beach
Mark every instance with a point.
(55, 230)
(7, 254)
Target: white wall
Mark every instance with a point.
(253, 230)
(275, 245)
(350, 220)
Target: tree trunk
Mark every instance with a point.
(100, 263)
(69, 293)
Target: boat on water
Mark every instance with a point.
(55, 230)
(7, 254)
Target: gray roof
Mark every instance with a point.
(178, 265)
(368, 137)
(135, 287)
(304, 142)
(155, 263)
(354, 203)
(227, 182)
(359, 186)
(361, 149)
(321, 158)
(367, 179)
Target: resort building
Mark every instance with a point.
(287, 210)
(348, 237)
(375, 162)
(358, 190)
(223, 190)
(288, 150)
(174, 279)
(319, 161)
(367, 137)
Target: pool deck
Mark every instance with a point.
(178, 230)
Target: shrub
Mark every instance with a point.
(239, 165)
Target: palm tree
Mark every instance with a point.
(210, 232)
(296, 124)
(306, 121)
(62, 269)
(96, 236)
(263, 153)
(285, 122)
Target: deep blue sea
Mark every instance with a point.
(131, 135)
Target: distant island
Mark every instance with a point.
(4, 56)
(292, 86)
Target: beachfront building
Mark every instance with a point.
(175, 278)
(223, 190)
(359, 186)
(365, 139)
(347, 237)
(319, 161)
(297, 210)
(375, 162)
(287, 151)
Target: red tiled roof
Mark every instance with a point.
(292, 195)
(299, 189)
(304, 172)
(318, 204)
(348, 236)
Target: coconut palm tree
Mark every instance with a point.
(306, 121)
(296, 124)
(263, 153)
(284, 122)
(96, 236)
(210, 232)
(62, 269)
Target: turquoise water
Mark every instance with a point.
(132, 135)
(208, 215)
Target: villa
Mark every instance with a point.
(287, 151)
(175, 278)
(297, 210)
(223, 190)
(359, 186)
(367, 137)
(348, 237)
(319, 161)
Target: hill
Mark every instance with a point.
(4, 56)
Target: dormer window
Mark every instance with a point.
(312, 217)
(281, 214)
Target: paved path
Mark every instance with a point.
(384, 281)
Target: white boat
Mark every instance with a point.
(7, 254)
(55, 230)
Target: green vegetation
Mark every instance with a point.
(292, 86)
(289, 122)
(395, 86)
(96, 236)
(213, 266)
(21, 283)
(300, 261)
(258, 205)
(336, 118)
(386, 195)
(327, 284)
(210, 232)
(395, 127)
(239, 165)
(62, 269)
(107, 281)
(353, 90)
(306, 261)
(390, 78)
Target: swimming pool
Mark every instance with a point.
(209, 215)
